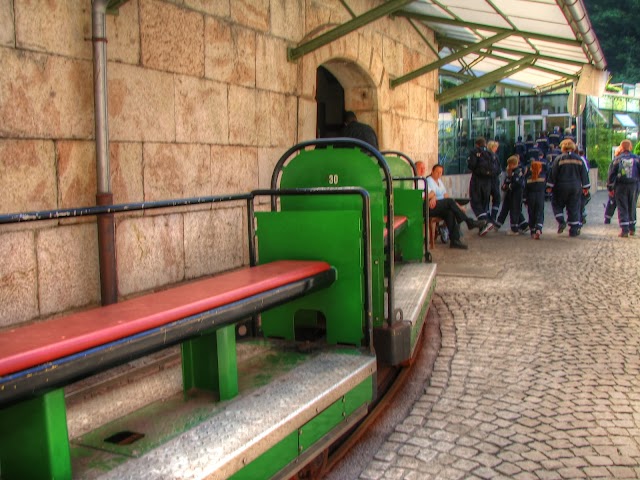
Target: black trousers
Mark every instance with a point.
(448, 210)
(512, 206)
(626, 201)
(495, 197)
(535, 209)
(610, 208)
(480, 196)
(567, 196)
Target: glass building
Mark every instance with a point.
(600, 124)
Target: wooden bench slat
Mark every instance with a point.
(31, 345)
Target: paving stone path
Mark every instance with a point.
(538, 374)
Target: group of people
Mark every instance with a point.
(550, 165)
(566, 179)
(528, 178)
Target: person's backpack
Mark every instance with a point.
(484, 163)
(626, 167)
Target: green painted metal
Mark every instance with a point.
(343, 167)
(421, 35)
(363, 394)
(372, 15)
(271, 461)
(209, 363)
(259, 363)
(332, 236)
(410, 245)
(320, 425)
(454, 56)
(468, 78)
(484, 81)
(113, 7)
(39, 450)
(335, 414)
(285, 452)
(480, 26)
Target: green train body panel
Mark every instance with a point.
(271, 461)
(42, 449)
(286, 451)
(410, 245)
(331, 236)
(343, 167)
(400, 168)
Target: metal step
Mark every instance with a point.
(235, 432)
(413, 286)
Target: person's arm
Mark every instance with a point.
(432, 199)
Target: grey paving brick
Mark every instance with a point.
(525, 388)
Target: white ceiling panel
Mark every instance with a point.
(551, 30)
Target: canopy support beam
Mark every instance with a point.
(341, 30)
(444, 61)
(484, 81)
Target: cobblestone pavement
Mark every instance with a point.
(538, 374)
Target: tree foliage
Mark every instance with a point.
(617, 26)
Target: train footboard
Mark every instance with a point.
(269, 430)
(415, 284)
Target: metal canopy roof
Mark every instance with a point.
(535, 45)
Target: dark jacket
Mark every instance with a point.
(568, 170)
(480, 162)
(361, 131)
(625, 168)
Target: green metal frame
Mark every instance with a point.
(209, 363)
(372, 15)
(484, 81)
(329, 235)
(39, 449)
(454, 56)
(344, 166)
(295, 444)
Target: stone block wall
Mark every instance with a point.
(202, 101)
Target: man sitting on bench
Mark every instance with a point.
(440, 205)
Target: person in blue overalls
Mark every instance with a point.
(610, 206)
(568, 180)
(480, 163)
(493, 146)
(625, 175)
(513, 187)
(536, 180)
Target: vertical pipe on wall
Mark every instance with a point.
(106, 223)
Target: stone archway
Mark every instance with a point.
(360, 93)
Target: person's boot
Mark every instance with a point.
(561, 227)
(479, 224)
(458, 244)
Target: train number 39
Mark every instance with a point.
(333, 179)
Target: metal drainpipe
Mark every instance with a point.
(106, 223)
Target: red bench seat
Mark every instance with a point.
(399, 222)
(27, 346)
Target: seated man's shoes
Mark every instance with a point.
(479, 224)
(458, 244)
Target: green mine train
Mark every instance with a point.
(268, 403)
